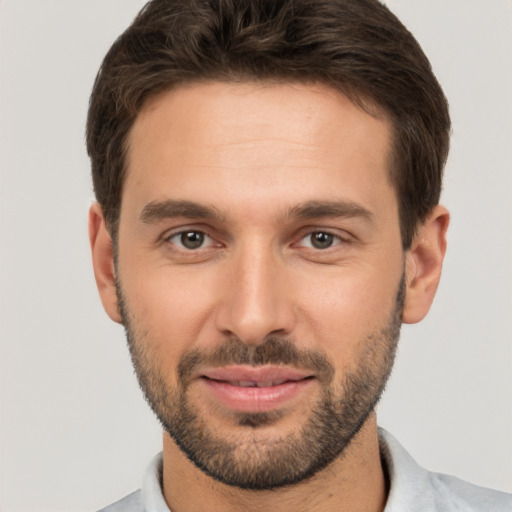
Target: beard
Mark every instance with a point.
(247, 459)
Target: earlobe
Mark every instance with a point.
(423, 266)
(103, 261)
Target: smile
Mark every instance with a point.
(253, 384)
(248, 389)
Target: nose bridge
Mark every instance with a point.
(256, 301)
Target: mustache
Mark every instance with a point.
(274, 350)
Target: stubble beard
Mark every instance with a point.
(256, 461)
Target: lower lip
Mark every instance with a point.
(254, 399)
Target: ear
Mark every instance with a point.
(103, 261)
(423, 265)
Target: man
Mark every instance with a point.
(268, 177)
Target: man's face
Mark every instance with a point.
(260, 273)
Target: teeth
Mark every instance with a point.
(245, 383)
(265, 384)
(253, 384)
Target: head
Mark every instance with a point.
(267, 176)
(355, 46)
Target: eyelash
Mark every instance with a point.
(335, 239)
(181, 234)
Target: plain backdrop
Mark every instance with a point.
(75, 433)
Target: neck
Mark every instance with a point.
(354, 481)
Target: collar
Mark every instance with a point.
(411, 486)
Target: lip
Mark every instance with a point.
(249, 389)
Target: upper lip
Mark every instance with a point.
(263, 374)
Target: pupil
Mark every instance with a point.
(322, 240)
(192, 239)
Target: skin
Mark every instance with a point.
(256, 153)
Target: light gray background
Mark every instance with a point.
(75, 431)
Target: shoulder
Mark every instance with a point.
(414, 488)
(130, 503)
(468, 497)
(149, 498)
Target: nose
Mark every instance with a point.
(256, 298)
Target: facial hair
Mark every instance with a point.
(260, 463)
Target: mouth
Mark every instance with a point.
(254, 384)
(262, 389)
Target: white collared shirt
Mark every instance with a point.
(412, 488)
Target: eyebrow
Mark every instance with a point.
(329, 209)
(170, 208)
(156, 211)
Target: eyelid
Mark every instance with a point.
(337, 240)
(177, 232)
(342, 236)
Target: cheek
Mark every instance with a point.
(342, 310)
(170, 307)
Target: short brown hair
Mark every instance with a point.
(356, 46)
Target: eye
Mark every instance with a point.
(190, 239)
(320, 240)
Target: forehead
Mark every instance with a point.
(258, 141)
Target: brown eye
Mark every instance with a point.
(321, 240)
(190, 240)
